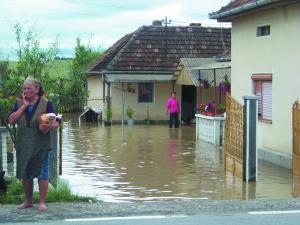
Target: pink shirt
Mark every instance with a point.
(173, 105)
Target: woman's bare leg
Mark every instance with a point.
(43, 186)
(28, 191)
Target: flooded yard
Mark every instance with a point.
(153, 162)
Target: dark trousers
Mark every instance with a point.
(173, 119)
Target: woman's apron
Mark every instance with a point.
(31, 145)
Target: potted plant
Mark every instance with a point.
(202, 109)
(108, 117)
(210, 109)
(220, 109)
(224, 86)
(129, 113)
(130, 89)
(204, 83)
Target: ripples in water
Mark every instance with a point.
(153, 162)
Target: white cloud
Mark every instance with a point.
(72, 18)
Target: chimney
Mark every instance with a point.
(157, 23)
(195, 24)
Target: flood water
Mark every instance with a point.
(153, 162)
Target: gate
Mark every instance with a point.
(233, 148)
(296, 139)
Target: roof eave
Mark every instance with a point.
(150, 72)
(225, 15)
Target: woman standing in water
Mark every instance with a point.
(32, 141)
(173, 109)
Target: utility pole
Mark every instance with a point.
(166, 22)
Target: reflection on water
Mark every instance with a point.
(153, 162)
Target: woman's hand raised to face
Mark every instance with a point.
(25, 99)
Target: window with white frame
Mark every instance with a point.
(145, 93)
(263, 89)
(264, 30)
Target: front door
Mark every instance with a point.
(188, 103)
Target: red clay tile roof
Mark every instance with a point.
(110, 53)
(145, 50)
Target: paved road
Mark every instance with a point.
(273, 212)
(275, 218)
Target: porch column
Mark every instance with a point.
(173, 85)
(250, 148)
(103, 90)
(215, 90)
(108, 100)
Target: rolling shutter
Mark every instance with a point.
(263, 89)
(267, 100)
(258, 92)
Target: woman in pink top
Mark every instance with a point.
(173, 109)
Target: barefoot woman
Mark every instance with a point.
(32, 141)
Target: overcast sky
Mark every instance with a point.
(99, 22)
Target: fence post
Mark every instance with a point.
(1, 158)
(9, 148)
(250, 148)
(54, 158)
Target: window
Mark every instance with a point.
(263, 30)
(263, 89)
(145, 93)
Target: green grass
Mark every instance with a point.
(62, 193)
(58, 68)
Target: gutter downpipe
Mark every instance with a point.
(246, 7)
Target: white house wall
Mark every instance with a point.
(277, 54)
(157, 110)
(95, 91)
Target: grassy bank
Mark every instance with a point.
(58, 68)
(62, 193)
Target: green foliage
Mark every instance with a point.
(62, 194)
(15, 194)
(129, 112)
(84, 56)
(66, 88)
(32, 61)
(220, 107)
(56, 69)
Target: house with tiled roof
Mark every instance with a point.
(139, 69)
(265, 55)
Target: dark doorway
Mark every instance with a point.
(188, 103)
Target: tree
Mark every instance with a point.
(6, 94)
(32, 61)
(84, 56)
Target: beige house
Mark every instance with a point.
(265, 57)
(139, 70)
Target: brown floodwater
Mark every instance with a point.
(153, 162)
